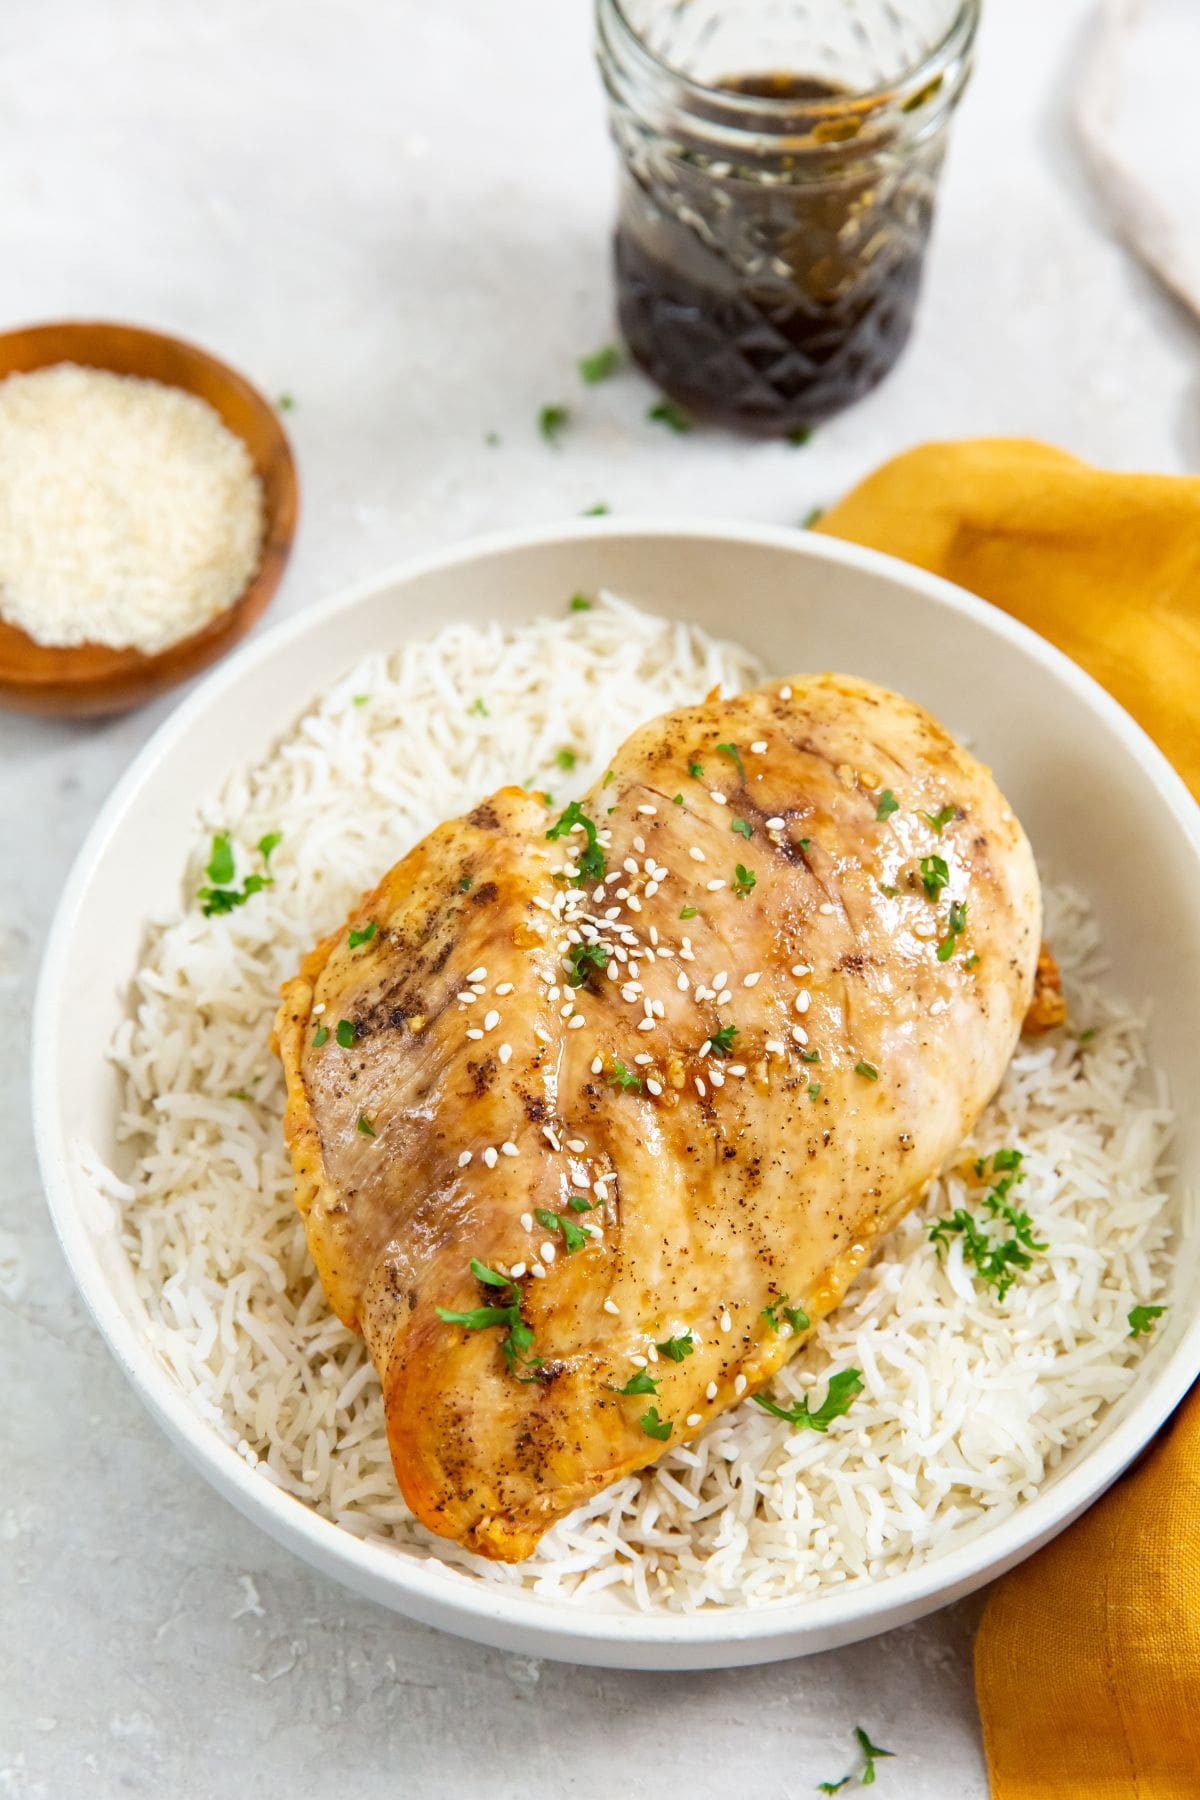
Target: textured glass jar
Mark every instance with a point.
(779, 167)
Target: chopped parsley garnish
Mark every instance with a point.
(832, 1787)
(814, 1090)
(801, 434)
(320, 1035)
(687, 912)
(624, 1078)
(640, 1382)
(796, 1316)
(744, 880)
(365, 1125)
(360, 699)
(491, 439)
(811, 517)
(592, 865)
(580, 1203)
(665, 412)
(972, 960)
(345, 1033)
(956, 924)
(721, 1041)
(609, 778)
(364, 936)
(580, 603)
(735, 757)
(935, 875)
(478, 707)
(238, 1094)
(696, 770)
(599, 365)
(888, 804)
(551, 421)
(838, 1400)
(465, 884)
(655, 1427)
(221, 898)
(1141, 1319)
(676, 1348)
(1085, 1037)
(519, 1337)
(996, 1259)
(870, 1753)
(597, 511)
(286, 402)
(810, 1056)
(583, 958)
(867, 1069)
(804, 843)
(883, 887)
(743, 828)
(943, 817)
(574, 1234)
(678, 799)
(566, 759)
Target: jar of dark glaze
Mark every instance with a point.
(779, 164)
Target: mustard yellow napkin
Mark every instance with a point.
(1087, 1664)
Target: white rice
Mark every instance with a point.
(969, 1404)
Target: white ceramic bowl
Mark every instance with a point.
(1101, 805)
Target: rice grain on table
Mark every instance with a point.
(968, 1404)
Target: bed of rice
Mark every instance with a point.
(968, 1403)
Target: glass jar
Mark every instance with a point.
(779, 161)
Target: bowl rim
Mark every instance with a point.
(427, 1588)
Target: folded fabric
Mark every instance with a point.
(1087, 1663)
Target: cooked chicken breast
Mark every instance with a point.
(594, 1117)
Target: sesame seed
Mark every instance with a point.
(597, 1065)
(508, 1148)
(716, 1077)
(318, 1009)
(551, 1137)
(753, 979)
(652, 1353)
(491, 1157)
(636, 1358)
(643, 1056)
(505, 987)
(553, 993)
(651, 810)
(464, 1159)
(724, 997)
(631, 865)
(576, 1023)
(758, 746)
(505, 1052)
(799, 1035)
(517, 1270)
(491, 1020)
(718, 797)
(682, 982)
(687, 954)
(726, 1322)
(543, 1036)
(827, 907)
(601, 1188)
(613, 912)
(710, 1392)
(773, 1047)
(700, 1087)
(633, 903)
(477, 974)
(719, 981)
(714, 887)
(610, 1306)
(705, 1047)
(735, 1068)
(547, 1251)
(576, 1144)
(693, 1419)
(803, 1000)
(651, 889)
(526, 1221)
(474, 1032)
(655, 1087)
(785, 693)
(658, 1009)
(466, 997)
(696, 854)
(645, 1025)
(740, 1384)
(776, 824)
(639, 843)
(537, 1271)
(565, 1011)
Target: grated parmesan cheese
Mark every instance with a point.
(129, 514)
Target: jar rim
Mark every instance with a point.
(955, 41)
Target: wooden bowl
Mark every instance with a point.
(84, 679)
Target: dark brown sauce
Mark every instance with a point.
(771, 304)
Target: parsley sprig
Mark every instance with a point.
(624, 1078)
(592, 863)
(518, 1338)
(583, 958)
(996, 1260)
(721, 1042)
(838, 1399)
(744, 881)
(1141, 1319)
(574, 1235)
(935, 875)
(956, 924)
(796, 1316)
(640, 1382)
(676, 1348)
(655, 1427)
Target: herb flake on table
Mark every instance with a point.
(580, 603)
(812, 517)
(597, 510)
(871, 1752)
(552, 421)
(600, 365)
(839, 1398)
(800, 435)
(666, 412)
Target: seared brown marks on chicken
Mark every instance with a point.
(804, 925)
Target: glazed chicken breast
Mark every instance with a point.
(594, 1116)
